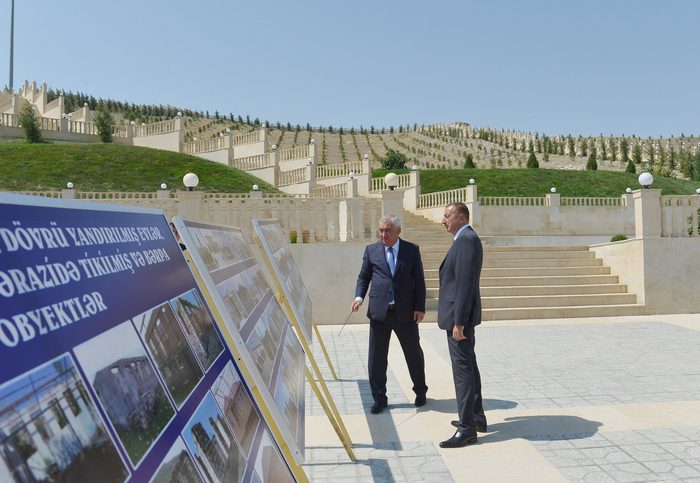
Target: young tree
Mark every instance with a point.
(103, 121)
(394, 160)
(29, 123)
(624, 151)
(592, 164)
(637, 153)
(469, 161)
(532, 161)
(631, 168)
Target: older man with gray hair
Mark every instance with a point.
(396, 303)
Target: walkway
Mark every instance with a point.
(612, 399)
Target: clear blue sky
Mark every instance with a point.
(579, 67)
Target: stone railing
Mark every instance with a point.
(113, 195)
(252, 162)
(441, 198)
(337, 170)
(679, 216)
(205, 145)
(9, 120)
(333, 191)
(51, 105)
(44, 194)
(294, 176)
(120, 131)
(48, 124)
(247, 138)
(294, 153)
(511, 201)
(161, 127)
(81, 127)
(379, 183)
(592, 201)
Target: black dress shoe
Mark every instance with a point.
(420, 400)
(459, 439)
(378, 406)
(479, 428)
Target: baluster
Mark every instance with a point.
(362, 219)
(336, 219)
(374, 221)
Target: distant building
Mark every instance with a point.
(180, 469)
(199, 328)
(212, 455)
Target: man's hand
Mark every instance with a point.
(355, 306)
(418, 316)
(458, 332)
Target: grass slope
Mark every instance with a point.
(538, 182)
(110, 167)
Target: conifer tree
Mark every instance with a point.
(469, 161)
(103, 121)
(29, 123)
(592, 165)
(532, 161)
(631, 168)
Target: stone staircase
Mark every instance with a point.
(527, 282)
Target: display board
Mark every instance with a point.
(113, 367)
(254, 322)
(275, 244)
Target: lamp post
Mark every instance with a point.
(190, 180)
(646, 179)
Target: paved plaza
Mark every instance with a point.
(613, 399)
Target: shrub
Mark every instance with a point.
(532, 161)
(592, 165)
(631, 168)
(103, 122)
(292, 237)
(618, 238)
(29, 123)
(394, 160)
(469, 161)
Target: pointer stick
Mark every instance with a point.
(346, 321)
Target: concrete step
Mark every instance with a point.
(531, 272)
(521, 291)
(566, 300)
(552, 312)
(560, 255)
(542, 263)
(583, 248)
(544, 280)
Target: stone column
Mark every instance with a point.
(352, 188)
(473, 206)
(161, 194)
(413, 192)
(647, 213)
(68, 194)
(553, 199)
(190, 204)
(392, 203)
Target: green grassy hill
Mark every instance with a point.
(110, 167)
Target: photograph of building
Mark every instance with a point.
(203, 249)
(238, 245)
(116, 364)
(51, 431)
(177, 466)
(213, 446)
(198, 324)
(261, 358)
(236, 405)
(269, 465)
(168, 346)
(243, 292)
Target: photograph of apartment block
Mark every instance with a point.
(237, 407)
(168, 346)
(212, 443)
(242, 293)
(177, 466)
(127, 386)
(198, 324)
(269, 466)
(50, 430)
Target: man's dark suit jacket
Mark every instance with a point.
(408, 281)
(459, 301)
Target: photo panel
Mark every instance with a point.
(269, 465)
(126, 383)
(51, 430)
(177, 466)
(170, 351)
(211, 442)
(203, 249)
(198, 324)
(236, 406)
(242, 293)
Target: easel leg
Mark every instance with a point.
(333, 421)
(323, 347)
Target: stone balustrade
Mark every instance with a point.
(379, 184)
(512, 201)
(337, 170)
(294, 176)
(252, 162)
(205, 145)
(302, 152)
(333, 191)
(48, 124)
(247, 138)
(441, 198)
(9, 120)
(679, 216)
(80, 127)
(582, 201)
(162, 127)
(120, 131)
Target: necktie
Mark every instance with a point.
(392, 267)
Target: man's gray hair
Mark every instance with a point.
(391, 218)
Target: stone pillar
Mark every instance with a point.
(553, 199)
(162, 194)
(647, 213)
(392, 203)
(628, 199)
(68, 194)
(352, 188)
(256, 194)
(191, 203)
(412, 192)
(473, 206)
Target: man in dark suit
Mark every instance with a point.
(396, 302)
(459, 311)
